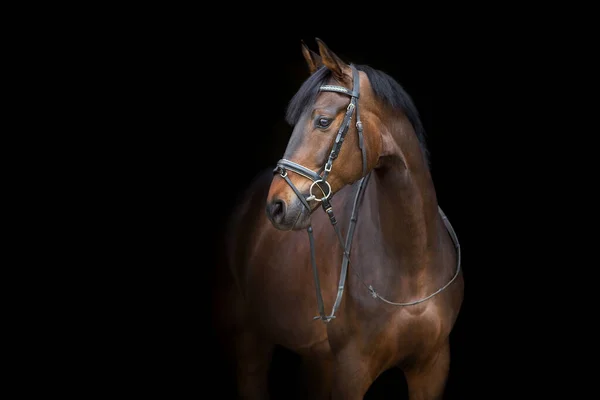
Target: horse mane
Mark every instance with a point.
(384, 87)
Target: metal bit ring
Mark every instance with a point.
(313, 197)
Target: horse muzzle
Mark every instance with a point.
(288, 215)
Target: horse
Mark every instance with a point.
(381, 254)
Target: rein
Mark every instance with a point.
(283, 166)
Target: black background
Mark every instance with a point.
(202, 114)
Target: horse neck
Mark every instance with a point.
(406, 203)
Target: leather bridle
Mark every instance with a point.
(319, 179)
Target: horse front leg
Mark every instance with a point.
(427, 380)
(253, 358)
(317, 371)
(353, 374)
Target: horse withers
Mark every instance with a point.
(341, 254)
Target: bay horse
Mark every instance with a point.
(382, 254)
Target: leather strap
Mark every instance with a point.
(297, 168)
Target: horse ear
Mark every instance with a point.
(312, 59)
(333, 62)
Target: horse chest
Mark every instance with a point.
(281, 298)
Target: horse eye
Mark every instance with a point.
(323, 122)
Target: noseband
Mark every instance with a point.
(319, 179)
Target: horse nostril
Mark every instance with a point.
(277, 210)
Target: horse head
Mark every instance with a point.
(335, 139)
